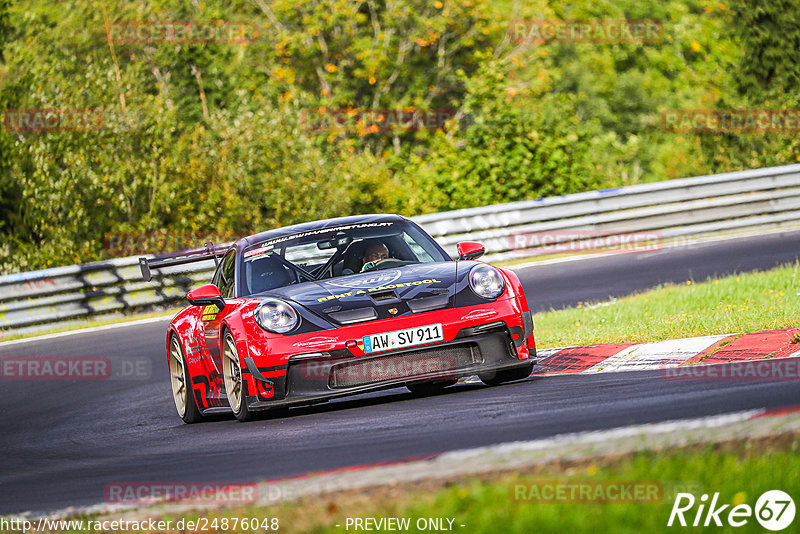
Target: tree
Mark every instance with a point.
(505, 150)
(766, 75)
(9, 190)
(769, 31)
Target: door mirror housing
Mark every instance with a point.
(470, 250)
(205, 296)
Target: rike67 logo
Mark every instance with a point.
(774, 511)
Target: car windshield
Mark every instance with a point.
(335, 251)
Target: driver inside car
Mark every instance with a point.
(266, 273)
(373, 254)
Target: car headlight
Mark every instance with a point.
(275, 315)
(486, 281)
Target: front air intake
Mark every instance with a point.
(441, 362)
(356, 315)
(381, 296)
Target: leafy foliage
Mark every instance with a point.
(213, 136)
(770, 37)
(765, 77)
(504, 151)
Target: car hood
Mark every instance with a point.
(380, 294)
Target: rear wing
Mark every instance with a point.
(208, 252)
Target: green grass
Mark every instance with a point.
(740, 472)
(738, 303)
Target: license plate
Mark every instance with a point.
(399, 339)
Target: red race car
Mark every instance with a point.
(302, 314)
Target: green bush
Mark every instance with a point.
(214, 137)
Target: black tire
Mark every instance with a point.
(509, 375)
(182, 392)
(429, 388)
(235, 386)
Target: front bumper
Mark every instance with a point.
(317, 377)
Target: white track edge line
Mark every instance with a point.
(87, 330)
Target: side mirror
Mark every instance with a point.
(205, 296)
(470, 250)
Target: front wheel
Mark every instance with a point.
(182, 392)
(509, 375)
(235, 386)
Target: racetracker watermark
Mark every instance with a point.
(601, 491)
(133, 243)
(74, 368)
(197, 493)
(52, 120)
(39, 284)
(748, 371)
(181, 32)
(370, 121)
(570, 241)
(731, 121)
(586, 31)
(379, 369)
(141, 524)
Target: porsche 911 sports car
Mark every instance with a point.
(306, 313)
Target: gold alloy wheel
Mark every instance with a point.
(178, 376)
(232, 373)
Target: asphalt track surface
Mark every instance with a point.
(63, 441)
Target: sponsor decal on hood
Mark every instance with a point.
(381, 291)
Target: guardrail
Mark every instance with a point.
(687, 207)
